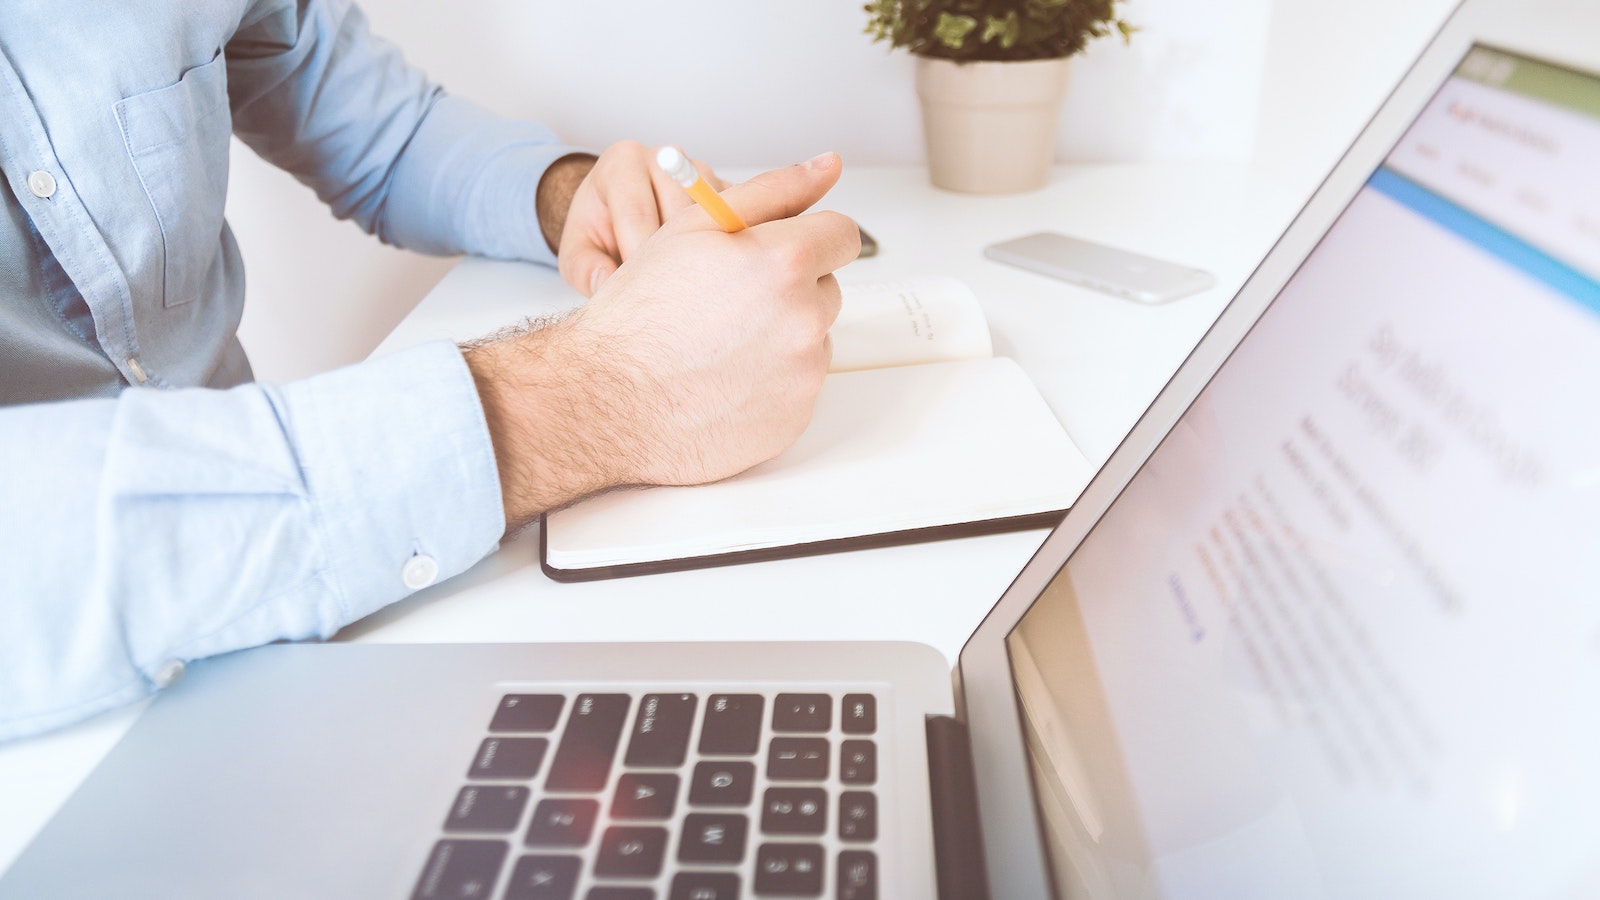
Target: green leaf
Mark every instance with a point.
(952, 31)
(1006, 29)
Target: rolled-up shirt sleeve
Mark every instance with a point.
(227, 519)
(316, 93)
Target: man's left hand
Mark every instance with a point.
(622, 201)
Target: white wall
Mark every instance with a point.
(1329, 66)
(747, 84)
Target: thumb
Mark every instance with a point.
(786, 192)
(585, 267)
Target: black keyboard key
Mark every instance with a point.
(628, 852)
(589, 743)
(704, 886)
(661, 731)
(802, 713)
(797, 759)
(544, 878)
(562, 823)
(794, 811)
(858, 762)
(722, 783)
(487, 807)
(461, 870)
(789, 870)
(858, 875)
(645, 795)
(732, 724)
(858, 714)
(508, 757)
(527, 712)
(617, 892)
(712, 838)
(858, 816)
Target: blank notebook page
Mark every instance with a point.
(887, 450)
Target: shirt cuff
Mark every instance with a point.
(467, 181)
(398, 454)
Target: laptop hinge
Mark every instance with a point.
(957, 842)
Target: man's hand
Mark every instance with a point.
(624, 199)
(700, 358)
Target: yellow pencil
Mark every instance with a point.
(678, 167)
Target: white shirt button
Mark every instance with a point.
(167, 674)
(42, 183)
(419, 571)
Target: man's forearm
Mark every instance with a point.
(554, 196)
(551, 413)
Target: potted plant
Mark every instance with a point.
(991, 76)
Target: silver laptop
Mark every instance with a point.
(1326, 625)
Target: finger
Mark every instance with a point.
(712, 178)
(586, 266)
(818, 242)
(783, 193)
(630, 195)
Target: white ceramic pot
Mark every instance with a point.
(991, 126)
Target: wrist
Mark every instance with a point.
(553, 197)
(545, 412)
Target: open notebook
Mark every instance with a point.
(919, 433)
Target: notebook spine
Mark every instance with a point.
(957, 840)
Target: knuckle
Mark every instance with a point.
(791, 260)
(627, 149)
(832, 301)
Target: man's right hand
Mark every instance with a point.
(701, 356)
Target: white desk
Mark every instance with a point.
(1097, 359)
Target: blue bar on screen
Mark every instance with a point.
(1502, 244)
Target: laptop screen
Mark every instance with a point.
(1340, 635)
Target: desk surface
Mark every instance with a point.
(1097, 359)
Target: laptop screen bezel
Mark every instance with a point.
(1551, 30)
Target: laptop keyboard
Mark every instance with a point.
(665, 796)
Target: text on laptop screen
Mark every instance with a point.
(1340, 635)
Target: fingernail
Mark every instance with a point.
(818, 161)
(595, 277)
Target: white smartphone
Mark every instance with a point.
(1108, 269)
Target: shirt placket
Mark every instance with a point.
(40, 183)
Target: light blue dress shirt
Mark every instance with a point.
(156, 506)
